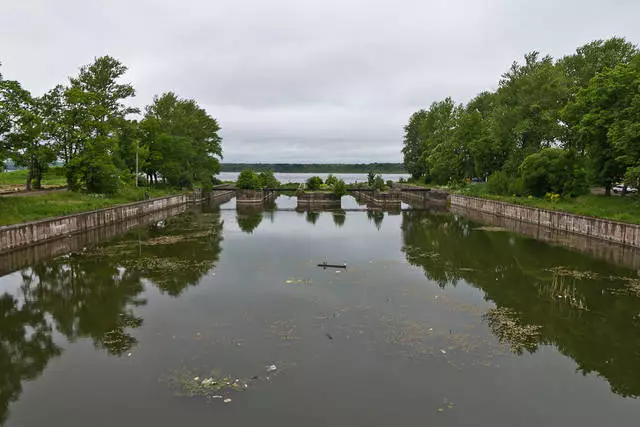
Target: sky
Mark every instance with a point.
(300, 80)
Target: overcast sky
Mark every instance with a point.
(302, 81)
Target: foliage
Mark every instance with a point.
(339, 188)
(331, 180)
(498, 183)
(553, 170)
(314, 183)
(371, 179)
(86, 125)
(248, 180)
(378, 183)
(268, 180)
(587, 103)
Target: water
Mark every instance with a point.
(348, 178)
(436, 321)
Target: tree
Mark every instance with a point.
(98, 99)
(268, 180)
(331, 180)
(339, 188)
(314, 183)
(182, 139)
(24, 134)
(606, 117)
(553, 170)
(248, 180)
(413, 146)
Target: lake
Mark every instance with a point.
(215, 317)
(284, 178)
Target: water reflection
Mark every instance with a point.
(249, 218)
(339, 217)
(377, 216)
(545, 295)
(93, 294)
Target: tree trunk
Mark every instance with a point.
(607, 190)
(38, 177)
(29, 176)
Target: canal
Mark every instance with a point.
(219, 317)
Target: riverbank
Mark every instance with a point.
(613, 231)
(614, 208)
(15, 209)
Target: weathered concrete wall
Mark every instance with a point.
(375, 199)
(318, 200)
(610, 252)
(29, 255)
(421, 198)
(612, 231)
(29, 233)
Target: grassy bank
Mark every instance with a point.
(616, 208)
(17, 178)
(22, 209)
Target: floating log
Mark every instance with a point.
(325, 265)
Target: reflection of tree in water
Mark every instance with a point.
(376, 216)
(249, 218)
(339, 218)
(587, 316)
(312, 217)
(93, 294)
(26, 345)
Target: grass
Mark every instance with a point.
(53, 177)
(16, 209)
(616, 208)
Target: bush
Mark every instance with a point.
(389, 183)
(555, 171)
(268, 180)
(314, 183)
(331, 180)
(371, 179)
(378, 183)
(247, 180)
(339, 188)
(498, 183)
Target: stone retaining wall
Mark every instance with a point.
(29, 233)
(612, 231)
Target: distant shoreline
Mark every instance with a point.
(386, 168)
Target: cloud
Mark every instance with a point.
(302, 80)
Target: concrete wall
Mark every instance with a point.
(29, 233)
(376, 199)
(612, 231)
(319, 200)
(614, 253)
(28, 255)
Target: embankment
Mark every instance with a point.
(29, 233)
(611, 231)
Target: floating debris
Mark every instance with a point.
(297, 282)
(184, 383)
(272, 368)
(507, 326)
(227, 401)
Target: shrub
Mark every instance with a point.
(378, 183)
(498, 183)
(314, 183)
(247, 180)
(553, 170)
(268, 180)
(331, 180)
(339, 188)
(371, 179)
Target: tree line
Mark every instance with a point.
(87, 126)
(316, 167)
(555, 126)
